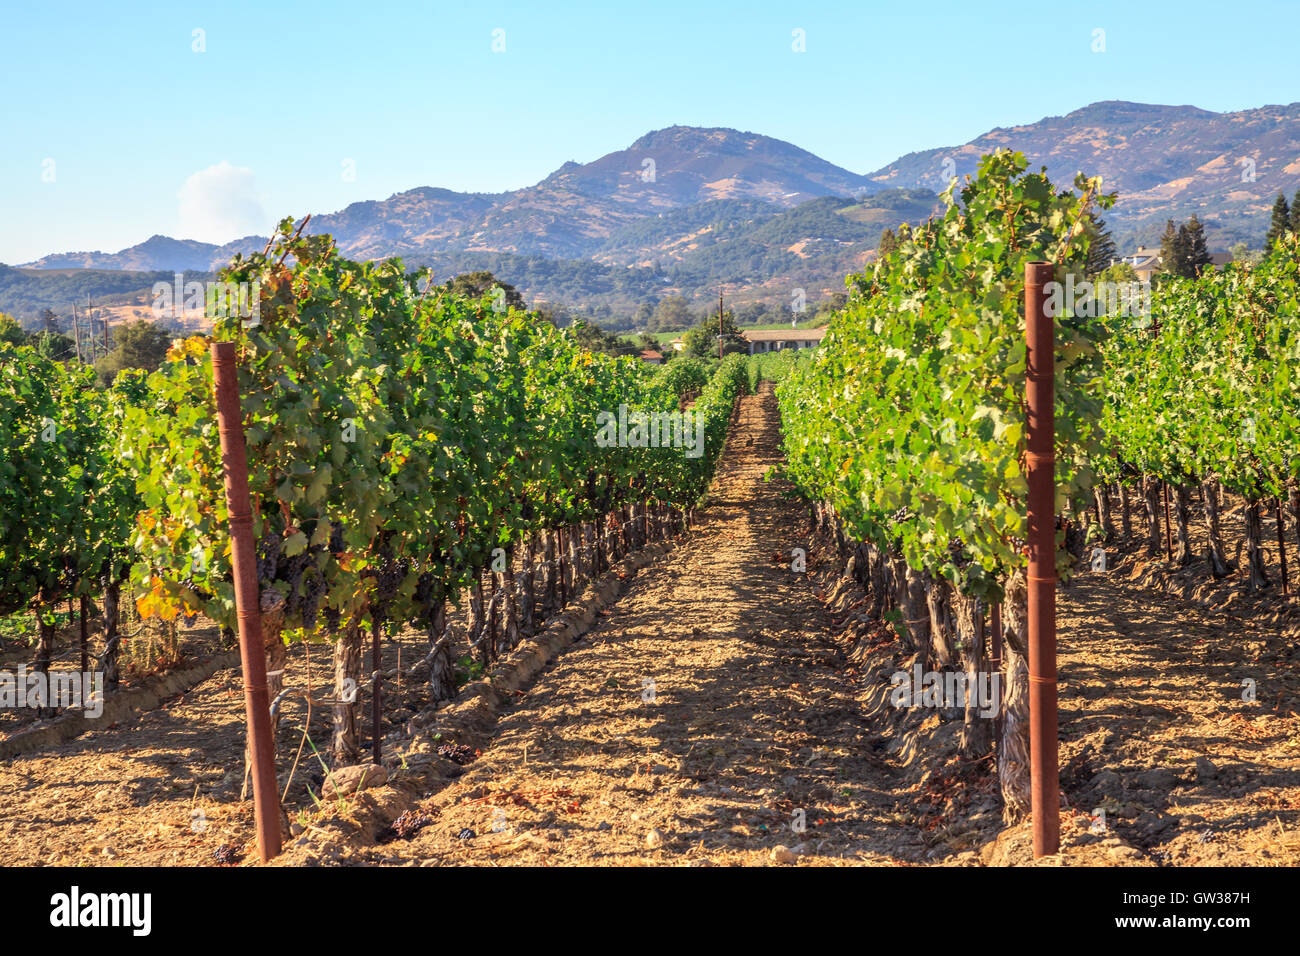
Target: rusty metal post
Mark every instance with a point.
(560, 545)
(1281, 546)
(1041, 461)
(1169, 539)
(995, 648)
(86, 639)
(252, 652)
(376, 689)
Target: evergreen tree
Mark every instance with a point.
(141, 345)
(702, 341)
(1196, 253)
(888, 243)
(1173, 249)
(595, 339)
(1101, 252)
(475, 285)
(1295, 213)
(11, 331)
(1280, 224)
(53, 345)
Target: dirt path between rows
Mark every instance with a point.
(1180, 723)
(705, 720)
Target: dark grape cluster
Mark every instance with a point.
(457, 753)
(227, 854)
(425, 590)
(312, 596)
(268, 556)
(386, 578)
(408, 824)
(297, 577)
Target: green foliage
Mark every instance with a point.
(1121, 273)
(672, 314)
(389, 428)
(1101, 248)
(64, 504)
(702, 340)
(475, 285)
(775, 366)
(595, 339)
(11, 333)
(909, 418)
(1279, 224)
(54, 346)
(1183, 251)
(682, 376)
(1241, 252)
(1173, 249)
(139, 345)
(1206, 386)
(888, 244)
(1196, 252)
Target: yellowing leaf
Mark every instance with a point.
(295, 544)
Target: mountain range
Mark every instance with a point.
(685, 209)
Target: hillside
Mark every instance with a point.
(1166, 162)
(684, 209)
(759, 250)
(25, 292)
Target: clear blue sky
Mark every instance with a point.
(147, 136)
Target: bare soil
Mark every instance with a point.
(718, 710)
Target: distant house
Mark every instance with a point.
(773, 340)
(652, 356)
(1146, 262)
(678, 343)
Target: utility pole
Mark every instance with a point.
(90, 328)
(76, 332)
(91, 321)
(719, 324)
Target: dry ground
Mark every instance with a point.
(714, 713)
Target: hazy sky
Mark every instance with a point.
(113, 128)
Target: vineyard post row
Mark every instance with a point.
(907, 433)
(1201, 398)
(478, 458)
(407, 451)
(906, 430)
(563, 572)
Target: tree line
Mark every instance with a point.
(139, 344)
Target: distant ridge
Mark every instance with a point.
(685, 208)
